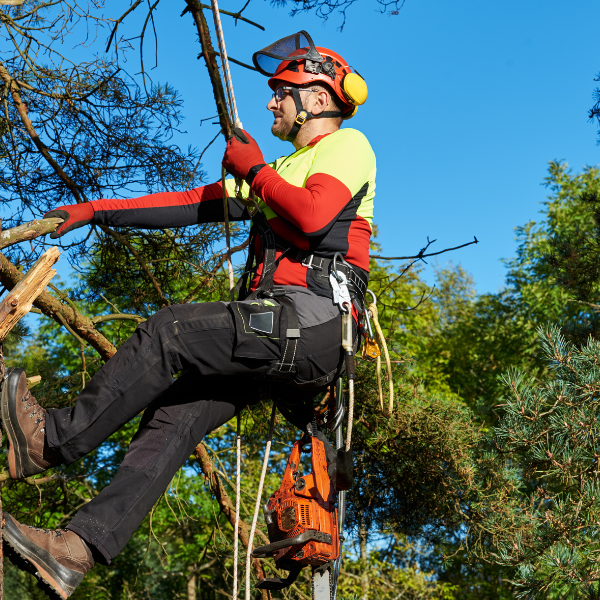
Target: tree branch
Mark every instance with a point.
(12, 85)
(422, 254)
(125, 317)
(236, 16)
(51, 307)
(28, 231)
(195, 8)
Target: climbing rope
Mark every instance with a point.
(225, 64)
(375, 316)
(235, 119)
(258, 501)
(236, 537)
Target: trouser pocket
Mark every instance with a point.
(257, 329)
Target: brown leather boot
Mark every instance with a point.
(58, 558)
(24, 421)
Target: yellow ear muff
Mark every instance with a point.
(355, 89)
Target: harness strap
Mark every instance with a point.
(320, 267)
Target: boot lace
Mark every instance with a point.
(31, 402)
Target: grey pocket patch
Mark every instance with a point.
(262, 322)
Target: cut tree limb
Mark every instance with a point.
(83, 326)
(20, 300)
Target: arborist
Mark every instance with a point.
(311, 212)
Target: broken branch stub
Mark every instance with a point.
(20, 300)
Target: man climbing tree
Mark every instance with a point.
(311, 213)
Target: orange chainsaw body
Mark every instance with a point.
(304, 504)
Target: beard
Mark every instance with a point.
(282, 127)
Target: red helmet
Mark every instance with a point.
(295, 59)
(332, 72)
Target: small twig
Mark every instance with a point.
(237, 62)
(187, 185)
(236, 16)
(421, 255)
(120, 20)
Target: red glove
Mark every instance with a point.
(74, 215)
(243, 157)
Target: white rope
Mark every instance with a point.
(236, 537)
(227, 238)
(225, 63)
(258, 502)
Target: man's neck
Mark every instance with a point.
(312, 129)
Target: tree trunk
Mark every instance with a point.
(191, 587)
(364, 556)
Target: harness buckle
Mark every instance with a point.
(301, 117)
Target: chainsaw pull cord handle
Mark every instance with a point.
(261, 484)
(236, 537)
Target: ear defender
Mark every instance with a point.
(355, 89)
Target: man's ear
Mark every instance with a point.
(321, 102)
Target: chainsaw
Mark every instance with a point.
(302, 520)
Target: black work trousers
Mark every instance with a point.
(223, 364)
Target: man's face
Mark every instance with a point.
(284, 113)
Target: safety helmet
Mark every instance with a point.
(296, 60)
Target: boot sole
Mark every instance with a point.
(52, 576)
(16, 439)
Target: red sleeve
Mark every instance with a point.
(168, 209)
(313, 208)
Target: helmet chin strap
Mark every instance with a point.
(303, 115)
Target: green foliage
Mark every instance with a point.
(543, 522)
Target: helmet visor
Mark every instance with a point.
(298, 46)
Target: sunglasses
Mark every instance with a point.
(280, 93)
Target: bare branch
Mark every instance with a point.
(28, 231)
(421, 255)
(236, 16)
(120, 20)
(18, 303)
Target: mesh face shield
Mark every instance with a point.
(298, 46)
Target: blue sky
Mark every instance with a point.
(468, 101)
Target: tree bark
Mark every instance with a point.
(209, 54)
(28, 231)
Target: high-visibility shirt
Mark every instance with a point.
(318, 199)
